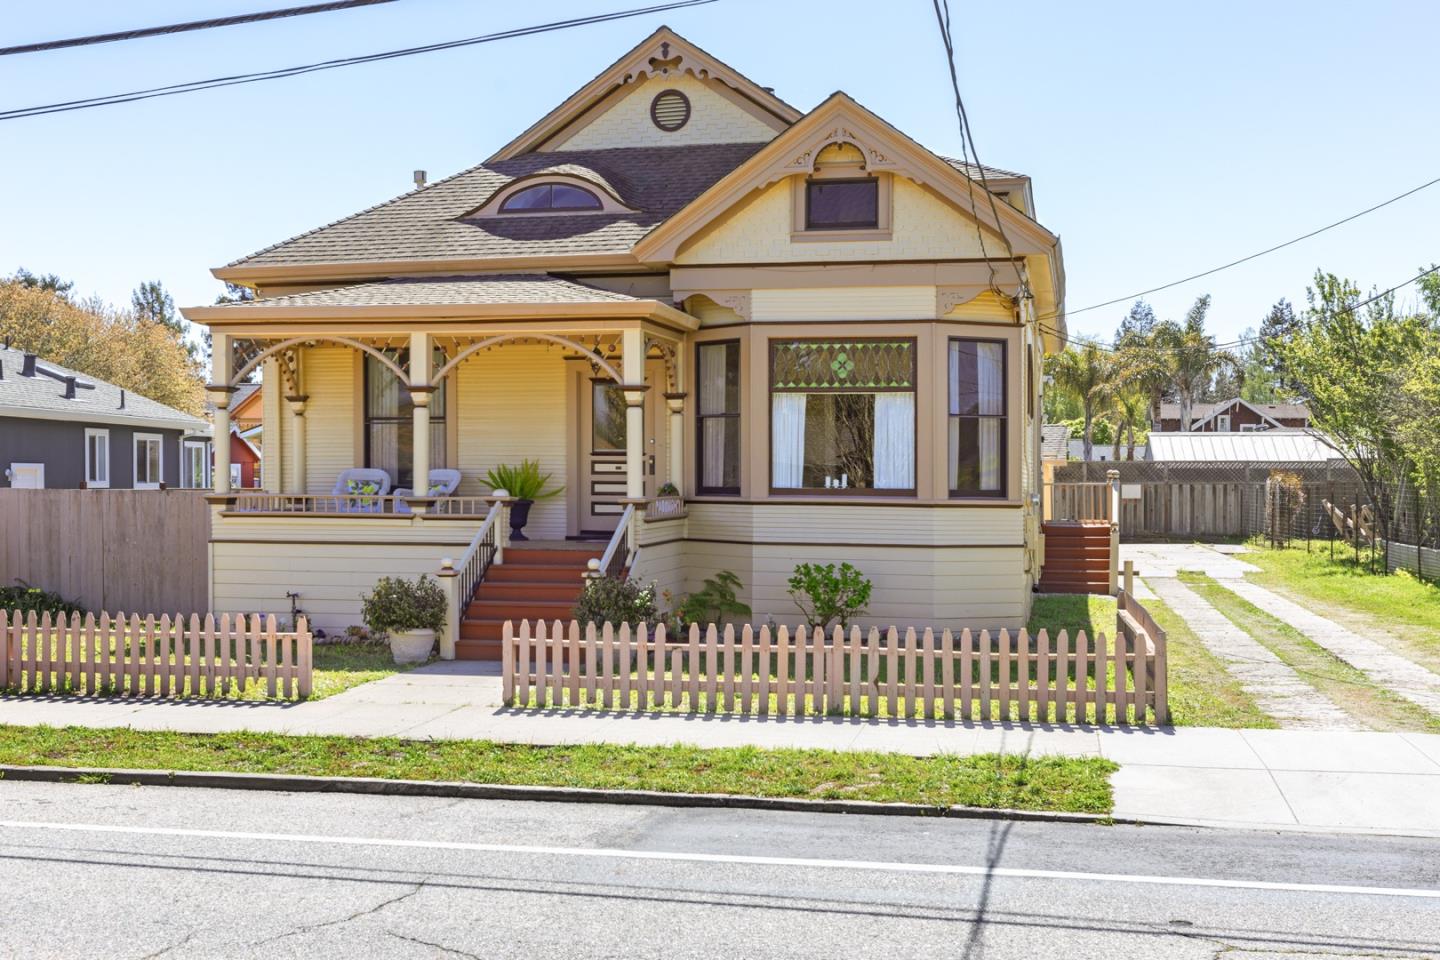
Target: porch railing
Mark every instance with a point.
(619, 552)
(665, 508)
(486, 548)
(1079, 501)
(351, 504)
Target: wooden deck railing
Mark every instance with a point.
(1079, 501)
(459, 581)
(140, 656)
(971, 675)
(619, 552)
(351, 505)
(665, 508)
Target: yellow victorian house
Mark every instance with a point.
(740, 336)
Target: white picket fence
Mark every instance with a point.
(140, 656)
(967, 676)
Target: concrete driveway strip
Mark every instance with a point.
(1378, 662)
(1276, 688)
(1168, 559)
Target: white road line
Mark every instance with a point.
(618, 854)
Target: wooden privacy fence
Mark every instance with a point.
(110, 549)
(967, 676)
(134, 656)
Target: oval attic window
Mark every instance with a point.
(670, 110)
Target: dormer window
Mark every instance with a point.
(550, 197)
(842, 204)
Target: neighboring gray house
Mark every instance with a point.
(62, 429)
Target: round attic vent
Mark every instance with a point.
(670, 110)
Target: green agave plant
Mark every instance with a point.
(523, 482)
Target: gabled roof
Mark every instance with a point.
(42, 397)
(1202, 413)
(840, 119)
(431, 224)
(1054, 438)
(663, 53)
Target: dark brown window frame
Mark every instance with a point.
(506, 209)
(700, 488)
(849, 225)
(770, 391)
(1004, 419)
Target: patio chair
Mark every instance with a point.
(367, 483)
(443, 483)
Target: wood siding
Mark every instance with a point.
(625, 121)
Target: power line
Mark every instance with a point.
(967, 150)
(188, 26)
(1261, 253)
(216, 82)
(1068, 339)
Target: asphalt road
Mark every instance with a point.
(132, 872)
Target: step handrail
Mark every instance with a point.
(486, 548)
(614, 559)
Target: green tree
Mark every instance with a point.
(1279, 325)
(1194, 359)
(49, 282)
(1130, 407)
(1085, 373)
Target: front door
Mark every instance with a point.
(602, 448)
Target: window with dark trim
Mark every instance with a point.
(842, 204)
(548, 197)
(977, 417)
(390, 422)
(717, 417)
(842, 415)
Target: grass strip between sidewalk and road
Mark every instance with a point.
(991, 781)
(1349, 688)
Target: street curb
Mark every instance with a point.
(378, 786)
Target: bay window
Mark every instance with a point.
(977, 423)
(842, 415)
(390, 423)
(717, 417)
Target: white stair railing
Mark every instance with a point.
(486, 548)
(619, 552)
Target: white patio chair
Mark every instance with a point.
(443, 483)
(365, 483)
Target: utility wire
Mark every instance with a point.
(186, 27)
(1245, 341)
(968, 151)
(1261, 253)
(215, 82)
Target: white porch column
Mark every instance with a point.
(297, 454)
(220, 391)
(420, 392)
(675, 403)
(632, 345)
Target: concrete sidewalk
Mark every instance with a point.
(1282, 779)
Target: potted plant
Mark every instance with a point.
(409, 612)
(526, 484)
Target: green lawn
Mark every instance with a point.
(1346, 686)
(1406, 608)
(337, 667)
(991, 781)
(1201, 692)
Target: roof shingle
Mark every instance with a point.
(443, 291)
(430, 223)
(44, 395)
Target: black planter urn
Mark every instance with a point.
(519, 516)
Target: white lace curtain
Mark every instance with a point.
(894, 441)
(787, 440)
(712, 401)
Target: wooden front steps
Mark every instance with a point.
(1077, 557)
(534, 583)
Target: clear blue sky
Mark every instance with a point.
(1162, 138)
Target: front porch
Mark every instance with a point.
(365, 400)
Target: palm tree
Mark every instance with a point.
(1131, 406)
(1194, 359)
(1087, 375)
